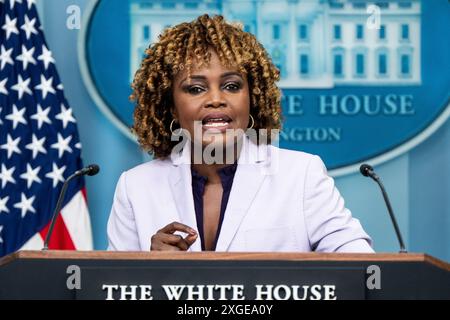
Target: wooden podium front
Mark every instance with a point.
(219, 276)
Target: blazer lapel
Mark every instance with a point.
(248, 179)
(180, 181)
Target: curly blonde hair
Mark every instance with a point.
(177, 49)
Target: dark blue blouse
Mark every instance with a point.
(198, 189)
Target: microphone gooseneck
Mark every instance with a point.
(90, 170)
(367, 171)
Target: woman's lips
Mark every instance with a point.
(217, 121)
(216, 116)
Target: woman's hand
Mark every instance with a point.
(166, 240)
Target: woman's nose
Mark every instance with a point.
(215, 99)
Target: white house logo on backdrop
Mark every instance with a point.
(355, 85)
(315, 44)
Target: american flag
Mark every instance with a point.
(39, 144)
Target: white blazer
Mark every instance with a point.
(280, 200)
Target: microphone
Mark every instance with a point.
(90, 170)
(367, 171)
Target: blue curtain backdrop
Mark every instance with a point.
(418, 182)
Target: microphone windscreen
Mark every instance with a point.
(93, 169)
(365, 169)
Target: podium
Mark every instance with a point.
(220, 276)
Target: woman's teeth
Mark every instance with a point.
(215, 123)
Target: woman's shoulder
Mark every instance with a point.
(299, 162)
(300, 157)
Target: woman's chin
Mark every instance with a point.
(216, 141)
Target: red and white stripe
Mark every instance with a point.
(72, 229)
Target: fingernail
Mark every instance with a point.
(192, 231)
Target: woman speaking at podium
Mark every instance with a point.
(208, 110)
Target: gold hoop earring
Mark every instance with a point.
(253, 122)
(171, 125)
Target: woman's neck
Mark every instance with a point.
(209, 170)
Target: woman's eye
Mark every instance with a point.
(194, 89)
(232, 86)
